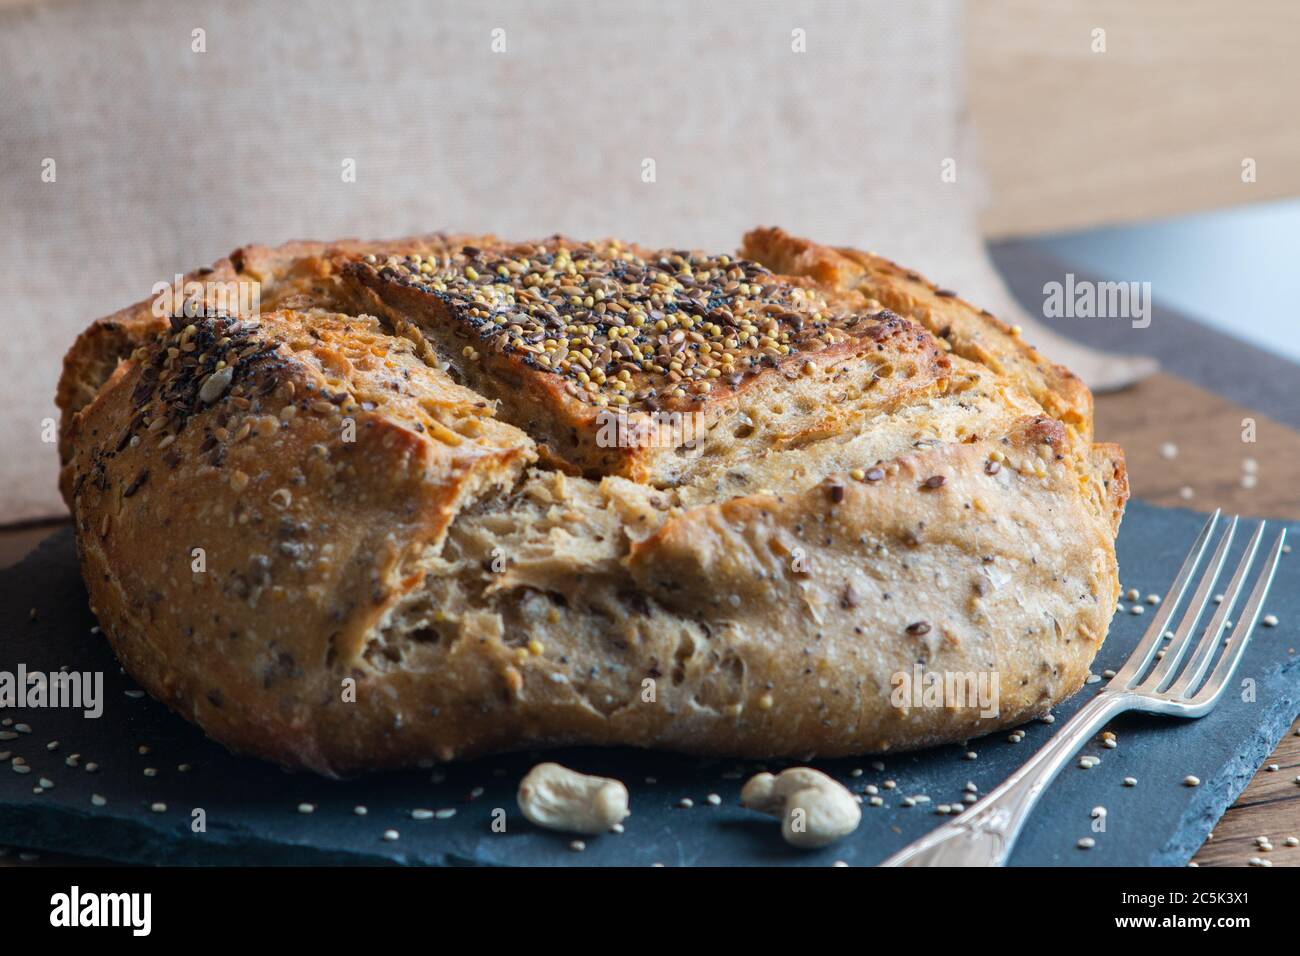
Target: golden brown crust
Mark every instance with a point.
(708, 337)
(973, 334)
(335, 540)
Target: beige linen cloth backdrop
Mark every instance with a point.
(170, 147)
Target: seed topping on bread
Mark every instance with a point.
(627, 327)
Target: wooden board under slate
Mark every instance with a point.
(252, 810)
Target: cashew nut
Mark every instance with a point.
(558, 798)
(815, 810)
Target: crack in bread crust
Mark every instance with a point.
(395, 474)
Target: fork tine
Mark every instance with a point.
(1209, 695)
(1196, 607)
(1146, 648)
(1213, 635)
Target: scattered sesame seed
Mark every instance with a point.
(306, 808)
(1269, 620)
(1086, 843)
(360, 810)
(158, 807)
(391, 835)
(686, 803)
(445, 814)
(889, 784)
(1191, 780)
(577, 846)
(1137, 609)
(420, 814)
(714, 800)
(97, 800)
(1132, 594)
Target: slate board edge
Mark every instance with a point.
(1222, 791)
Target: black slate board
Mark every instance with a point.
(252, 812)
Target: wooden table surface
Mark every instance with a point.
(1206, 431)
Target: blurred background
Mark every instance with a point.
(1002, 148)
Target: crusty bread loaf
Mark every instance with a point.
(447, 495)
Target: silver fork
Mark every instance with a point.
(985, 833)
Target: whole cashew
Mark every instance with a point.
(815, 810)
(558, 798)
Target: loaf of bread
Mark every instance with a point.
(443, 496)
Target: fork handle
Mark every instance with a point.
(985, 833)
